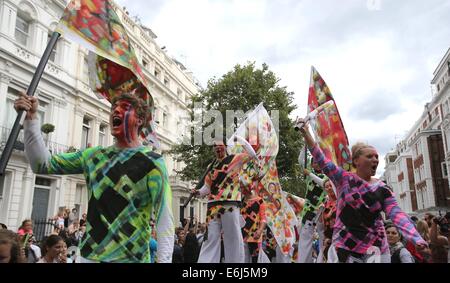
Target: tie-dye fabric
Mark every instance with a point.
(296, 203)
(259, 131)
(95, 25)
(327, 126)
(126, 188)
(359, 225)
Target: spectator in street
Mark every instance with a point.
(10, 250)
(423, 229)
(26, 228)
(83, 219)
(3, 226)
(73, 215)
(399, 254)
(53, 250)
(439, 235)
(191, 247)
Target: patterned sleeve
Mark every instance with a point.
(41, 161)
(399, 218)
(335, 173)
(161, 194)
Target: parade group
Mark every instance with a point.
(346, 216)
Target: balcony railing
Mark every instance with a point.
(53, 147)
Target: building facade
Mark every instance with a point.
(417, 169)
(80, 118)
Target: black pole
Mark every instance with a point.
(6, 154)
(200, 183)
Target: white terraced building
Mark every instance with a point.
(80, 118)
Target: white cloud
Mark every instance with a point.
(371, 59)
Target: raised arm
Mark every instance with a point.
(334, 172)
(40, 159)
(399, 218)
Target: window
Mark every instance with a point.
(53, 54)
(145, 64)
(85, 70)
(22, 30)
(102, 135)
(165, 119)
(166, 82)
(85, 133)
(444, 169)
(157, 73)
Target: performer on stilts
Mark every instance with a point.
(315, 196)
(222, 184)
(359, 232)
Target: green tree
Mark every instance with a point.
(244, 88)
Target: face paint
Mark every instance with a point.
(124, 124)
(127, 124)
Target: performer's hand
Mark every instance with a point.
(424, 250)
(301, 125)
(194, 192)
(27, 103)
(257, 234)
(306, 172)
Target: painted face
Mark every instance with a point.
(219, 150)
(124, 122)
(392, 235)
(367, 162)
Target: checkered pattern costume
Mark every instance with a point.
(126, 188)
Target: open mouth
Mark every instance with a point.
(116, 121)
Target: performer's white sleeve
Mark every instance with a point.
(35, 150)
(316, 179)
(205, 190)
(165, 234)
(301, 157)
(246, 146)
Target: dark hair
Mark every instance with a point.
(390, 225)
(51, 241)
(3, 226)
(138, 104)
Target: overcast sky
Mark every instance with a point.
(377, 56)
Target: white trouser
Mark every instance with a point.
(230, 223)
(305, 244)
(320, 231)
(282, 258)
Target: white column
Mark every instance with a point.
(8, 19)
(41, 38)
(176, 208)
(27, 194)
(4, 83)
(77, 125)
(64, 59)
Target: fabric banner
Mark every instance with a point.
(327, 126)
(95, 25)
(259, 131)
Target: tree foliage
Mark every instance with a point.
(244, 88)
